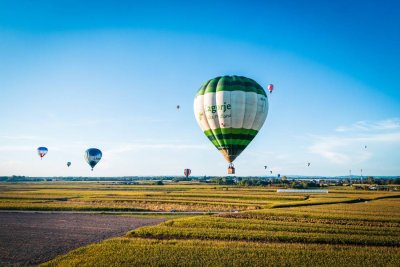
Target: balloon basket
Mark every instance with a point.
(231, 169)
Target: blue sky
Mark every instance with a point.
(102, 74)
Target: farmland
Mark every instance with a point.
(153, 252)
(364, 225)
(179, 197)
(345, 227)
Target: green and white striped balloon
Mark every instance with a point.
(231, 110)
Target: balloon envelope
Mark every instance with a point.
(187, 172)
(93, 156)
(68, 163)
(231, 110)
(42, 151)
(270, 88)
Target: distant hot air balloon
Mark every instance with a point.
(308, 164)
(365, 147)
(68, 164)
(177, 107)
(270, 88)
(270, 172)
(265, 167)
(42, 151)
(93, 156)
(187, 172)
(231, 110)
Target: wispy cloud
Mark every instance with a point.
(18, 148)
(125, 148)
(332, 148)
(388, 124)
(20, 137)
(9, 163)
(15, 148)
(349, 144)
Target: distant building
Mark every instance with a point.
(302, 191)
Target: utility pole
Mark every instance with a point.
(350, 176)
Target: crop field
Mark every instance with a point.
(345, 227)
(186, 197)
(346, 234)
(375, 223)
(153, 252)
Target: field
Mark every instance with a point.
(350, 224)
(346, 227)
(179, 197)
(153, 252)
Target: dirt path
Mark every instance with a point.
(117, 212)
(32, 238)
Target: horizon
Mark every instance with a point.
(293, 176)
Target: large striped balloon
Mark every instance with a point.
(231, 110)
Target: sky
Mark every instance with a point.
(109, 75)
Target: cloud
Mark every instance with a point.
(20, 137)
(15, 148)
(28, 148)
(349, 145)
(388, 124)
(125, 148)
(330, 148)
(11, 163)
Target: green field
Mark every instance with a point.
(346, 227)
(153, 252)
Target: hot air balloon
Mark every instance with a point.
(231, 110)
(270, 88)
(42, 151)
(93, 156)
(308, 164)
(68, 164)
(270, 172)
(265, 167)
(365, 147)
(177, 107)
(187, 172)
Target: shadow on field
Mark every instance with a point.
(33, 238)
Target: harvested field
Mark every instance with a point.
(78, 196)
(34, 238)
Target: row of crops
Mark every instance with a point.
(155, 252)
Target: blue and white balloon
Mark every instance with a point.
(93, 156)
(42, 151)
